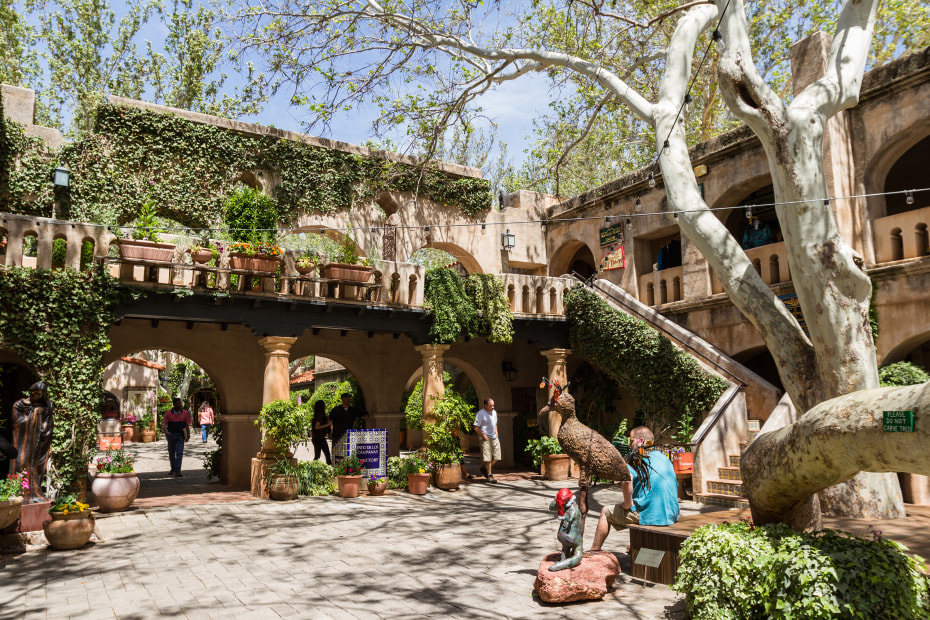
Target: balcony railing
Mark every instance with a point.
(902, 236)
(662, 287)
(770, 262)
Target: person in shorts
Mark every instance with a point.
(486, 427)
(650, 498)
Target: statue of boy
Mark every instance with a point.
(32, 437)
(569, 530)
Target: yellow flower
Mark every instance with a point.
(65, 511)
(421, 471)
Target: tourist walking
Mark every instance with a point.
(486, 427)
(319, 427)
(205, 417)
(344, 416)
(177, 427)
(650, 498)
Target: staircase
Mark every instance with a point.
(727, 489)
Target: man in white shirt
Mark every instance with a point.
(486, 427)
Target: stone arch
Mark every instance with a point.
(353, 365)
(890, 164)
(467, 260)
(761, 362)
(572, 253)
(915, 347)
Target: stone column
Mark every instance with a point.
(391, 422)
(276, 386)
(432, 378)
(557, 360)
(505, 436)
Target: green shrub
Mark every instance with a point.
(902, 373)
(453, 314)
(397, 475)
(541, 447)
(316, 478)
(737, 570)
(284, 424)
(453, 415)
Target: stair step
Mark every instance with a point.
(734, 460)
(753, 435)
(725, 487)
(742, 446)
(726, 501)
(754, 425)
(729, 473)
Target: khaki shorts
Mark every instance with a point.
(490, 450)
(620, 518)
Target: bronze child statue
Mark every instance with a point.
(570, 534)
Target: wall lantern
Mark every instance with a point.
(61, 177)
(509, 371)
(508, 240)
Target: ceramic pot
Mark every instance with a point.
(348, 485)
(417, 484)
(201, 256)
(284, 487)
(127, 431)
(260, 264)
(148, 435)
(557, 466)
(449, 476)
(69, 531)
(377, 488)
(115, 492)
(9, 511)
(304, 270)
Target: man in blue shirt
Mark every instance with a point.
(651, 498)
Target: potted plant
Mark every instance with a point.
(377, 485)
(72, 523)
(12, 491)
(547, 451)
(418, 474)
(148, 427)
(444, 448)
(283, 480)
(347, 264)
(203, 251)
(284, 424)
(146, 244)
(128, 427)
(349, 475)
(317, 478)
(306, 263)
(116, 485)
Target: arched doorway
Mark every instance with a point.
(761, 362)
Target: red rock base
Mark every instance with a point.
(586, 582)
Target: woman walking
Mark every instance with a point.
(205, 415)
(319, 428)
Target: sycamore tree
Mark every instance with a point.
(425, 62)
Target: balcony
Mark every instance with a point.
(662, 287)
(770, 262)
(902, 236)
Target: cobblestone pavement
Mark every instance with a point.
(466, 554)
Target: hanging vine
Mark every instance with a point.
(494, 317)
(452, 313)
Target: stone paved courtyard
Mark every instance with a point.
(466, 554)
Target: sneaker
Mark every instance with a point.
(491, 479)
(179, 475)
(484, 471)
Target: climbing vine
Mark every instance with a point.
(133, 155)
(57, 321)
(495, 319)
(453, 314)
(668, 384)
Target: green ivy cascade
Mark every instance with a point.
(668, 384)
(478, 307)
(189, 169)
(57, 321)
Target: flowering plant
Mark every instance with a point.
(261, 248)
(413, 464)
(350, 466)
(15, 485)
(68, 503)
(306, 262)
(115, 462)
(376, 479)
(130, 418)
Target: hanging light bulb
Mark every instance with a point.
(665, 145)
(910, 196)
(748, 213)
(629, 221)
(638, 202)
(542, 225)
(484, 229)
(826, 202)
(718, 41)
(687, 101)
(607, 221)
(755, 224)
(652, 179)
(675, 215)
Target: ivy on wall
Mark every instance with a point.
(57, 321)
(188, 169)
(669, 386)
(495, 319)
(478, 307)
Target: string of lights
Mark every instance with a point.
(320, 228)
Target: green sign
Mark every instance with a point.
(612, 234)
(898, 421)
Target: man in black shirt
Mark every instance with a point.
(344, 416)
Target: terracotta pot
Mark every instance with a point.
(201, 256)
(148, 435)
(377, 488)
(261, 264)
(341, 271)
(114, 492)
(284, 487)
(138, 249)
(304, 270)
(417, 484)
(557, 466)
(127, 432)
(69, 531)
(449, 476)
(348, 485)
(9, 511)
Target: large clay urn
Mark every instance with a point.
(449, 476)
(115, 492)
(9, 511)
(284, 487)
(557, 466)
(69, 531)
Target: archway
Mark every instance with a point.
(761, 362)
(573, 256)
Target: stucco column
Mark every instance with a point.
(505, 436)
(432, 378)
(391, 422)
(557, 360)
(275, 386)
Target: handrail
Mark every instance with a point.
(710, 421)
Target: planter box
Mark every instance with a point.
(259, 264)
(341, 271)
(136, 249)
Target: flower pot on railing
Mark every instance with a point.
(258, 264)
(341, 271)
(138, 249)
(201, 256)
